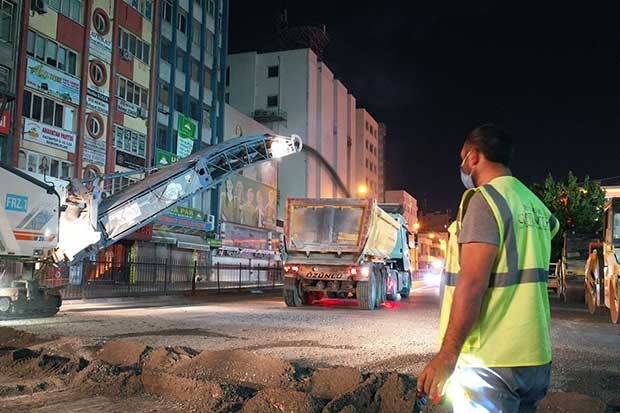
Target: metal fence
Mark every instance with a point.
(102, 279)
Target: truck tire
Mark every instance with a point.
(5, 305)
(292, 298)
(406, 290)
(381, 284)
(366, 292)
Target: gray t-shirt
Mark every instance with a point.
(479, 224)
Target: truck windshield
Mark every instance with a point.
(325, 228)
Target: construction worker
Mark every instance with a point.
(495, 351)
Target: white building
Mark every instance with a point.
(293, 92)
(367, 149)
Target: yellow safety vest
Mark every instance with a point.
(513, 328)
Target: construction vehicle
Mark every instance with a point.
(602, 271)
(343, 248)
(570, 267)
(399, 262)
(42, 223)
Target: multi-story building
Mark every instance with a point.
(291, 91)
(410, 212)
(381, 158)
(367, 161)
(10, 13)
(121, 86)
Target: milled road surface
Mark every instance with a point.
(401, 337)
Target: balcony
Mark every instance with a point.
(269, 115)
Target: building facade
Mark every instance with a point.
(367, 161)
(118, 87)
(10, 22)
(292, 92)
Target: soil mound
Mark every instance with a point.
(328, 383)
(237, 366)
(165, 358)
(11, 338)
(122, 353)
(282, 400)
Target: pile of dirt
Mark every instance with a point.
(214, 381)
(11, 338)
(237, 366)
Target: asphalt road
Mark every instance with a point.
(402, 336)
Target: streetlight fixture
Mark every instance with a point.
(362, 190)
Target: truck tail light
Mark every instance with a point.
(365, 271)
(353, 271)
(292, 269)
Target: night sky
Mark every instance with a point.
(548, 73)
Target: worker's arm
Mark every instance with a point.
(476, 263)
(479, 239)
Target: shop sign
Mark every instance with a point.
(94, 151)
(164, 158)
(49, 136)
(129, 160)
(52, 81)
(5, 122)
(127, 108)
(96, 105)
(100, 47)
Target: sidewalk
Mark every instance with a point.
(172, 300)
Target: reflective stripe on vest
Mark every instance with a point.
(513, 329)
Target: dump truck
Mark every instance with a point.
(602, 271)
(343, 248)
(45, 224)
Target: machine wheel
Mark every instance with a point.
(381, 285)
(592, 274)
(5, 305)
(614, 299)
(560, 278)
(292, 298)
(366, 292)
(405, 291)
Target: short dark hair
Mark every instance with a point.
(494, 142)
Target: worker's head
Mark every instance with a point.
(486, 147)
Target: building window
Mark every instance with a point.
(209, 40)
(130, 141)
(178, 100)
(166, 48)
(163, 92)
(122, 182)
(145, 7)
(73, 9)
(182, 21)
(272, 101)
(196, 32)
(7, 10)
(132, 93)
(180, 59)
(273, 71)
(228, 76)
(195, 108)
(52, 53)
(138, 48)
(40, 163)
(48, 111)
(195, 70)
(207, 77)
(98, 72)
(94, 125)
(162, 137)
(166, 11)
(211, 7)
(101, 21)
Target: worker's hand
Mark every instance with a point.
(435, 375)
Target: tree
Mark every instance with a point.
(577, 205)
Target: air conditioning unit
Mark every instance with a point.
(39, 6)
(143, 113)
(126, 54)
(163, 108)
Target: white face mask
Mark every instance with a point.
(467, 180)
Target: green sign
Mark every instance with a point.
(163, 158)
(215, 243)
(184, 212)
(187, 128)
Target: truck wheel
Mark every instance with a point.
(5, 305)
(366, 292)
(381, 285)
(590, 283)
(292, 298)
(406, 290)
